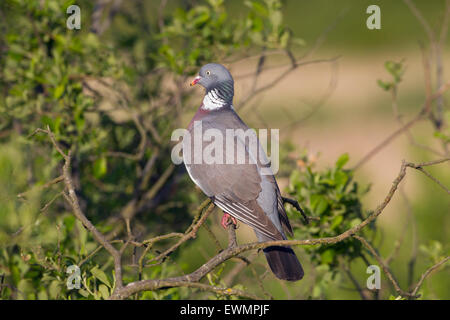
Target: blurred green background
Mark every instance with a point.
(124, 76)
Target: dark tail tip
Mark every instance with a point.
(284, 263)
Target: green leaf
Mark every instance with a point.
(42, 295)
(100, 167)
(257, 7)
(336, 222)
(59, 90)
(318, 204)
(340, 179)
(284, 40)
(84, 293)
(69, 222)
(276, 18)
(343, 159)
(445, 138)
(328, 256)
(384, 85)
(316, 291)
(202, 17)
(104, 291)
(54, 289)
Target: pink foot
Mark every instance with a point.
(226, 220)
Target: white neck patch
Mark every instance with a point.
(212, 101)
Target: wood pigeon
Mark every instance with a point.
(239, 188)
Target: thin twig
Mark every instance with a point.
(420, 116)
(72, 199)
(427, 273)
(385, 267)
(187, 236)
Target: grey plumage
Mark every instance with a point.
(240, 190)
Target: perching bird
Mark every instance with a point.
(241, 190)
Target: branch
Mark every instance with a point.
(427, 273)
(44, 186)
(439, 183)
(399, 242)
(72, 199)
(232, 251)
(385, 267)
(189, 235)
(421, 19)
(232, 241)
(256, 91)
(355, 282)
(420, 116)
(388, 272)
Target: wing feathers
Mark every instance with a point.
(250, 214)
(236, 187)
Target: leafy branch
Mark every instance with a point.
(192, 279)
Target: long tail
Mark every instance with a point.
(284, 263)
(282, 260)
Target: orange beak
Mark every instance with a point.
(195, 81)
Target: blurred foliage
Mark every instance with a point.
(93, 91)
(444, 134)
(333, 201)
(396, 70)
(399, 27)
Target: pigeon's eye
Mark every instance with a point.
(208, 72)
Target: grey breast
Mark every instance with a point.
(239, 183)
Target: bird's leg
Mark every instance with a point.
(226, 220)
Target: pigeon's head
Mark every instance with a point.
(215, 77)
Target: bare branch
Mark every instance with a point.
(385, 267)
(421, 19)
(205, 287)
(427, 273)
(256, 91)
(44, 186)
(72, 199)
(434, 179)
(187, 236)
(355, 282)
(420, 116)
